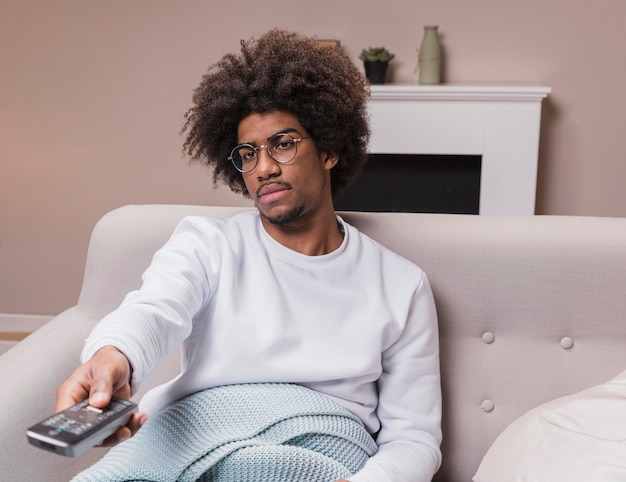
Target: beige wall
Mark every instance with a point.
(92, 97)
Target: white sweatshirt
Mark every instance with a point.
(358, 324)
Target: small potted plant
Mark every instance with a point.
(375, 60)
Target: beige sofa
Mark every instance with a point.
(530, 308)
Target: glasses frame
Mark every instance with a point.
(257, 150)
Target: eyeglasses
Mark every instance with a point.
(281, 147)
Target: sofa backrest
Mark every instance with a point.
(530, 308)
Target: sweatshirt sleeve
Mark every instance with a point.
(409, 400)
(154, 319)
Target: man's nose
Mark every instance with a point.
(266, 166)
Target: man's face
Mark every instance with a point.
(289, 192)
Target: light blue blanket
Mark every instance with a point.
(242, 433)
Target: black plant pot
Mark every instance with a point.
(376, 72)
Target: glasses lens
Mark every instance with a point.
(244, 157)
(282, 148)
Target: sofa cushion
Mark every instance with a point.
(578, 438)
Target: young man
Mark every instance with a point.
(289, 293)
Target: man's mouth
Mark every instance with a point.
(272, 191)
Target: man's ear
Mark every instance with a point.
(330, 159)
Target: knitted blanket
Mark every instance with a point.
(242, 433)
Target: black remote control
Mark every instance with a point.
(77, 429)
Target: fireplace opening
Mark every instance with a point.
(415, 183)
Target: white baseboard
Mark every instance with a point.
(17, 322)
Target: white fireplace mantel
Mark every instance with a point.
(499, 122)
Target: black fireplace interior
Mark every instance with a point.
(415, 184)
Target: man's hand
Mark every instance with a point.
(106, 374)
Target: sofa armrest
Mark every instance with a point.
(30, 373)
